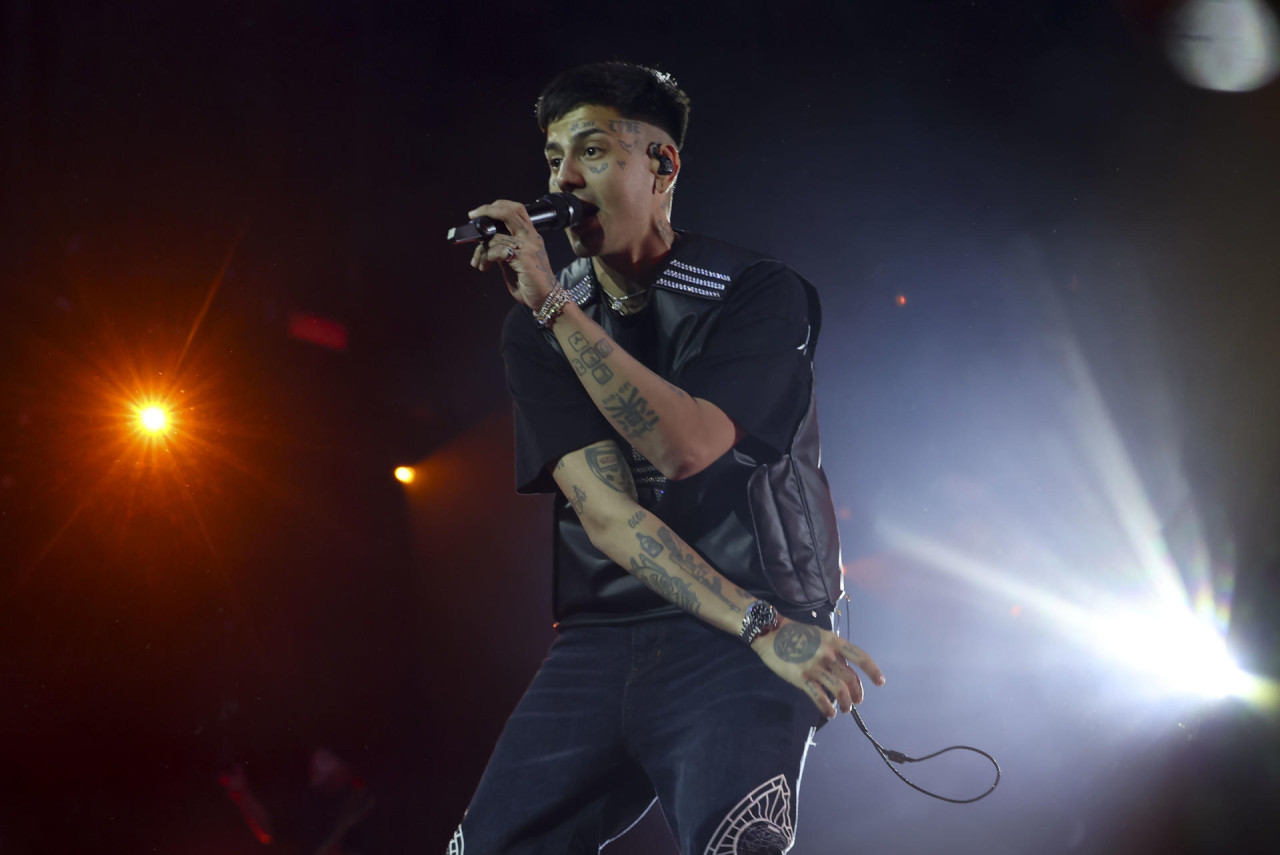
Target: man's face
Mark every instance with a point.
(597, 155)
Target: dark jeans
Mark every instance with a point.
(619, 714)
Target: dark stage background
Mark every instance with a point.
(1051, 346)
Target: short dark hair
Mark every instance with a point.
(635, 91)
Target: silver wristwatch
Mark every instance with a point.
(760, 619)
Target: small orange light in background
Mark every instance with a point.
(154, 419)
(405, 474)
(901, 299)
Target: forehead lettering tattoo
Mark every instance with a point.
(624, 126)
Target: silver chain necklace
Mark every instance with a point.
(620, 304)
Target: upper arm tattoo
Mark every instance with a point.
(608, 466)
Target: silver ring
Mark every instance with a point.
(511, 253)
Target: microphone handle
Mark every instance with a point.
(550, 212)
(483, 228)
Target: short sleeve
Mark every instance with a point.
(553, 414)
(754, 364)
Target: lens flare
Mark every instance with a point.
(1177, 651)
(154, 419)
(1146, 592)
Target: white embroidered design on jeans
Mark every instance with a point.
(760, 824)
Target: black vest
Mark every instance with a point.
(769, 526)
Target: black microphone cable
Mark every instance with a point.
(890, 756)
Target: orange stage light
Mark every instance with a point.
(154, 419)
(405, 474)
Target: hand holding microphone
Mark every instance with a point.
(506, 233)
(551, 212)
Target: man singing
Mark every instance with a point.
(663, 383)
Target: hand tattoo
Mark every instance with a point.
(797, 642)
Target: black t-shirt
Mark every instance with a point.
(755, 364)
(753, 368)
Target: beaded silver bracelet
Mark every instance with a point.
(552, 307)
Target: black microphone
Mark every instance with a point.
(549, 213)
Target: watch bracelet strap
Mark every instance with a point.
(760, 619)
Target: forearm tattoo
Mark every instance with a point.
(689, 563)
(796, 642)
(590, 357)
(650, 546)
(630, 411)
(663, 583)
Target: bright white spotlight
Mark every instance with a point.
(1176, 650)
(405, 474)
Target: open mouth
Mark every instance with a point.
(589, 218)
(588, 222)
